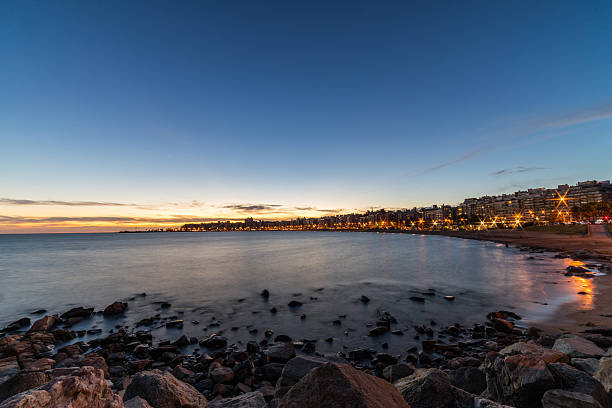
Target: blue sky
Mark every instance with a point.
(334, 105)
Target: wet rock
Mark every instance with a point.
(282, 338)
(417, 299)
(568, 399)
(86, 388)
(280, 353)
(361, 354)
(115, 308)
(248, 400)
(214, 341)
(604, 373)
(78, 312)
(174, 323)
(469, 379)
(364, 299)
(163, 390)
(16, 325)
(137, 402)
(378, 330)
(394, 372)
(575, 346)
(503, 326)
(340, 385)
(45, 324)
(265, 293)
(294, 303)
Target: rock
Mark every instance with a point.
(16, 325)
(45, 324)
(469, 379)
(214, 341)
(568, 399)
(575, 346)
(174, 323)
(417, 299)
(503, 326)
(265, 293)
(429, 388)
(137, 402)
(294, 371)
(463, 362)
(280, 353)
(394, 372)
(548, 355)
(163, 390)
(87, 388)
(571, 379)
(115, 308)
(294, 303)
(248, 400)
(588, 365)
(339, 385)
(364, 299)
(181, 372)
(78, 312)
(520, 380)
(22, 381)
(377, 331)
(604, 373)
(222, 375)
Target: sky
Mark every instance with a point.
(122, 115)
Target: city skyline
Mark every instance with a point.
(119, 115)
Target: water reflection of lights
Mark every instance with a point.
(580, 284)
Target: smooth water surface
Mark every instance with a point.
(220, 275)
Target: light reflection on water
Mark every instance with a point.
(205, 274)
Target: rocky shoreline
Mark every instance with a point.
(496, 363)
(488, 365)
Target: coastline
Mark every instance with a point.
(570, 316)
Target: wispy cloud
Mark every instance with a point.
(179, 219)
(514, 170)
(553, 126)
(251, 207)
(13, 201)
(458, 160)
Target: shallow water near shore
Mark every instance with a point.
(215, 279)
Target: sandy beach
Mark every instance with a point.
(571, 317)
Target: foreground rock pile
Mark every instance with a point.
(490, 365)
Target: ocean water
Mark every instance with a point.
(215, 279)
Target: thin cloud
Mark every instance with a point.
(515, 170)
(556, 125)
(335, 210)
(251, 207)
(130, 220)
(13, 201)
(458, 160)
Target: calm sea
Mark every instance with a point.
(217, 277)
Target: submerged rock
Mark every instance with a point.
(115, 308)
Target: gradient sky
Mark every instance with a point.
(176, 111)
